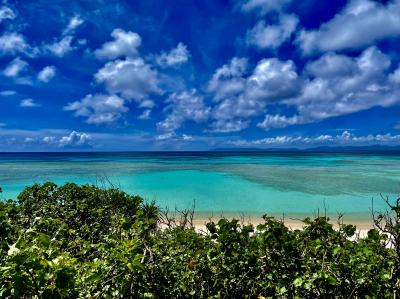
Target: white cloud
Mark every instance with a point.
(37, 138)
(228, 80)
(47, 73)
(264, 6)
(331, 64)
(15, 67)
(240, 97)
(125, 44)
(98, 108)
(125, 79)
(330, 86)
(61, 47)
(175, 57)
(165, 136)
(130, 78)
(13, 43)
(346, 85)
(187, 137)
(74, 23)
(64, 44)
(395, 76)
(273, 80)
(183, 106)
(146, 104)
(75, 139)
(28, 103)
(145, 114)
(272, 36)
(49, 139)
(7, 93)
(172, 136)
(278, 121)
(6, 13)
(360, 24)
(343, 139)
(227, 124)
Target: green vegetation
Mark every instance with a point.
(86, 242)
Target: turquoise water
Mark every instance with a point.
(254, 183)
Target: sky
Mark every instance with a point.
(197, 75)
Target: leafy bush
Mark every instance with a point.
(76, 241)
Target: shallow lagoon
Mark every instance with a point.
(251, 183)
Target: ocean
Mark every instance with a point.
(223, 183)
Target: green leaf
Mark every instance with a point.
(44, 240)
(331, 280)
(298, 282)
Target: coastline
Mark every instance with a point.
(292, 221)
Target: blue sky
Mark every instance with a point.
(196, 75)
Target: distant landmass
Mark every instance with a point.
(322, 149)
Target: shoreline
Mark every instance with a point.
(292, 221)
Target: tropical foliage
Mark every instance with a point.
(76, 241)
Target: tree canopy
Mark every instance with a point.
(76, 241)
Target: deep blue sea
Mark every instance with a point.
(222, 182)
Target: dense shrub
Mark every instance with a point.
(76, 241)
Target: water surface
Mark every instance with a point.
(222, 182)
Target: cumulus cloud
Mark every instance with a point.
(28, 103)
(125, 44)
(131, 78)
(75, 139)
(332, 85)
(49, 139)
(181, 107)
(229, 80)
(278, 121)
(347, 30)
(331, 65)
(265, 36)
(47, 73)
(15, 67)
(127, 77)
(264, 6)
(61, 47)
(363, 82)
(241, 96)
(345, 138)
(175, 57)
(273, 80)
(98, 108)
(73, 23)
(395, 76)
(6, 13)
(12, 43)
